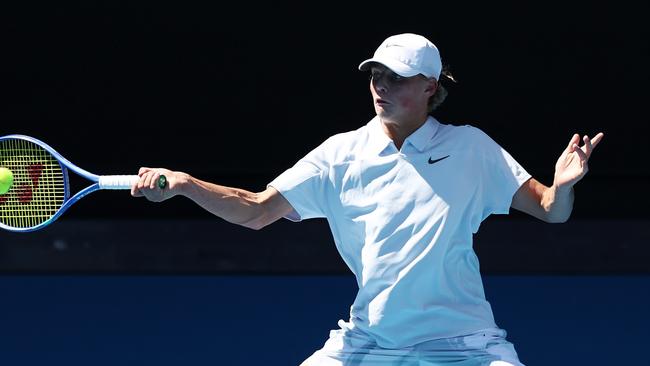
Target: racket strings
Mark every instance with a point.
(38, 189)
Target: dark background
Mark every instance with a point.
(235, 93)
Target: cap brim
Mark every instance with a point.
(396, 66)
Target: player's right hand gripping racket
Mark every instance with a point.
(40, 192)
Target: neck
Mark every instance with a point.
(399, 131)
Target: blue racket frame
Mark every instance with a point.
(65, 166)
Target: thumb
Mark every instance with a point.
(574, 141)
(135, 192)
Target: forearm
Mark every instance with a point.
(550, 204)
(234, 205)
(557, 203)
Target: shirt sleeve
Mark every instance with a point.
(502, 176)
(304, 185)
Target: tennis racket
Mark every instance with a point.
(40, 192)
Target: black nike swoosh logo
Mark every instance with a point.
(437, 160)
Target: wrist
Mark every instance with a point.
(182, 182)
(562, 189)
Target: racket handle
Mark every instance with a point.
(117, 181)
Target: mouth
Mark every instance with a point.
(381, 102)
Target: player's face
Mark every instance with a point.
(398, 98)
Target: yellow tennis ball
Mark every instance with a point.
(6, 180)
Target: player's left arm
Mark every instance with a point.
(555, 203)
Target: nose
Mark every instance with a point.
(380, 84)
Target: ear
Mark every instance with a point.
(432, 86)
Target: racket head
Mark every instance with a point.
(40, 188)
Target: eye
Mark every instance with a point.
(394, 78)
(389, 77)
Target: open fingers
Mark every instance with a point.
(596, 140)
(581, 153)
(587, 145)
(590, 144)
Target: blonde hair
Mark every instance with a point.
(441, 93)
(436, 99)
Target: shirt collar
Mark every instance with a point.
(420, 138)
(378, 141)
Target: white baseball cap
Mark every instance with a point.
(407, 54)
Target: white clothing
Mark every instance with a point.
(403, 222)
(485, 348)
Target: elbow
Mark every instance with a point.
(261, 211)
(557, 214)
(560, 208)
(255, 224)
(557, 219)
(259, 217)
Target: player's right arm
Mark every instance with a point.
(238, 206)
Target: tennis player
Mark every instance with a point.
(403, 195)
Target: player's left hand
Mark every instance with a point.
(572, 164)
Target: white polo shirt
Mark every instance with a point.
(403, 221)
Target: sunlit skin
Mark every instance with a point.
(555, 203)
(400, 102)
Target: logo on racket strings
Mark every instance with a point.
(25, 190)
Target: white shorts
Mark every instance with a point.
(488, 347)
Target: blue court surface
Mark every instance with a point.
(280, 320)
